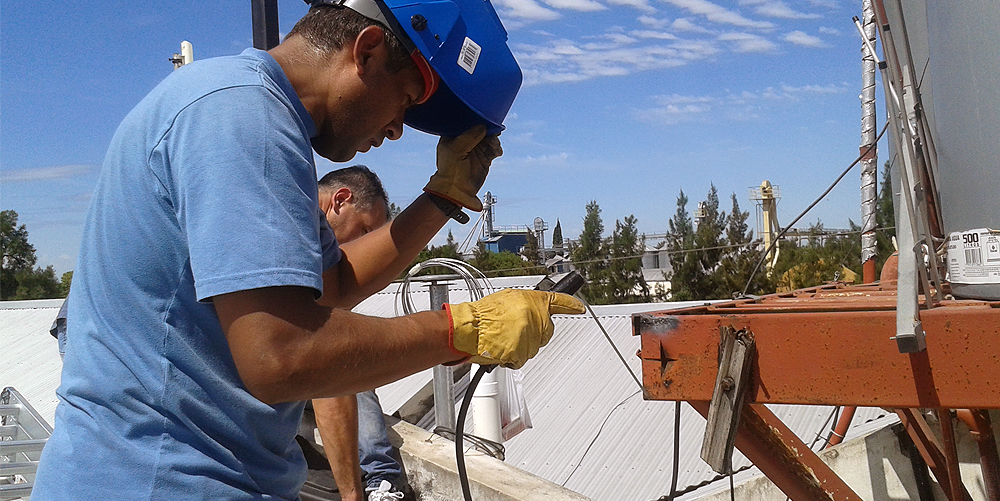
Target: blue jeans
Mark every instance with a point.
(379, 461)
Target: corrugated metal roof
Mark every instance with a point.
(592, 431)
(30, 361)
(595, 435)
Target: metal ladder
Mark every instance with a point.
(22, 435)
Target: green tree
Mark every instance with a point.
(18, 254)
(590, 254)
(625, 281)
(448, 250)
(394, 210)
(18, 277)
(502, 264)
(823, 258)
(531, 252)
(680, 242)
(709, 240)
(696, 251)
(740, 258)
(557, 238)
(885, 218)
(64, 283)
(37, 284)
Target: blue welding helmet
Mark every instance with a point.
(460, 47)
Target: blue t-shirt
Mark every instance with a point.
(208, 187)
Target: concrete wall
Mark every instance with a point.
(432, 470)
(877, 469)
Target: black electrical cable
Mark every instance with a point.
(484, 445)
(777, 239)
(703, 483)
(598, 435)
(568, 284)
(463, 474)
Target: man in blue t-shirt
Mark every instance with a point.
(210, 297)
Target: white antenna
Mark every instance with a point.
(186, 56)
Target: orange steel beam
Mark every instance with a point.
(831, 346)
(930, 449)
(784, 458)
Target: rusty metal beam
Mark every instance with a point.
(930, 449)
(831, 346)
(784, 458)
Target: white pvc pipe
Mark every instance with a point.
(486, 406)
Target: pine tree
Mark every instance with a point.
(557, 238)
(740, 257)
(709, 238)
(530, 252)
(885, 218)
(589, 255)
(680, 241)
(625, 281)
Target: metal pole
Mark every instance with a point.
(444, 378)
(264, 14)
(869, 161)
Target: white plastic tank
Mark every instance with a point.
(963, 66)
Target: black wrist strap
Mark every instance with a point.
(450, 209)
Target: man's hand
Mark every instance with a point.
(462, 165)
(507, 327)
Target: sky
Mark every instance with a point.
(624, 102)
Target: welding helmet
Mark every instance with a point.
(460, 47)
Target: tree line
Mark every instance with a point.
(19, 278)
(714, 255)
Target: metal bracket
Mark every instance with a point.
(736, 353)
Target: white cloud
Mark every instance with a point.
(829, 31)
(718, 14)
(612, 40)
(527, 9)
(748, 42)
(640, 5)
(557, 158)
(658, 35)
(789, 92)
(578, 5)
(567, 61)
(685, 24)
(46, 173)
(652, 22)
(801, 38)
(674, 109)
(776, 8)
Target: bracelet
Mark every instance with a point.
(449, 208)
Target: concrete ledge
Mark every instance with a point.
(433, 472)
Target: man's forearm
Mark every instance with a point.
(287, 347)
(337, 421)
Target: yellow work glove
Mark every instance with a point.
(507, 327)
(462, 165)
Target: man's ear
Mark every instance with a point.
(365, 45)
(341, 197)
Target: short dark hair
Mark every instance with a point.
(363, 183)
(329, 28)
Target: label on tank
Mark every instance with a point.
(974, 256)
